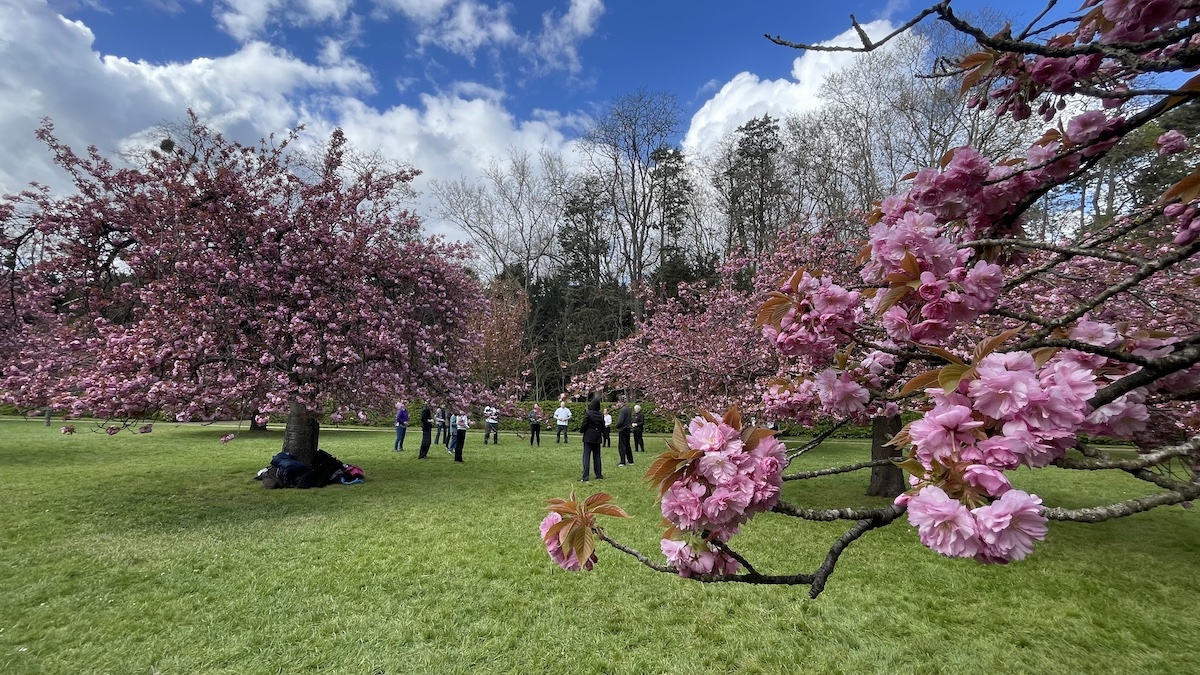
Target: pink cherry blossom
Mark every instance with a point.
(1008, 527)
(944, 524)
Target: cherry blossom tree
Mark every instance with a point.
(1017, 352)
(228, 280)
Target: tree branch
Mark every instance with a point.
(837, 469)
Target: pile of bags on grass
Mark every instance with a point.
(288, 472)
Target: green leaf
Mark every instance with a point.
(950, 376)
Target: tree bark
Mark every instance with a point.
(254, 425)
(300, 435)
(886, 481)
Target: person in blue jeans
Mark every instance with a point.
(401, 425)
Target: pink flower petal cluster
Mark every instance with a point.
(840, 394)
(1171, 143)
(227, 438)
(794, 400)
(825, 313)
(570, 561)
(689, 562)
(728, 484)
(999, 532)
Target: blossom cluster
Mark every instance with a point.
(836, 392)
(823, 314)
(704, 559)
(999, 532)
(1013, 411)
(727, 484)
(568, 561)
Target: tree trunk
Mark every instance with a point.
(49, 414)
(887, 480)
(300, 436)
(255, 426)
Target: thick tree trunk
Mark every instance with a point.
(887, 480)
(49, 414)
(300, 436)
(254, 425)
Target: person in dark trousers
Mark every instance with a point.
(401, 425)
(624, 421)
(442, 437)
(491, 421)
(461, 421)
(639, 421)
(592, 430)
(535, 425)
(607, 429)
(426, 430)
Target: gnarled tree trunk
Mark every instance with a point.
(300, 436)
(887, 480)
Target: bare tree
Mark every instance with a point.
(619, 146)
(512, 213)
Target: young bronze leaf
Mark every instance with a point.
(679, 436)
(945, 354)
(920, 382)
(991, 344)
(893, 296)
(911, 466)
(1185, 190)
(610, 510)
(586, 546)
(901, 439)
(910, 265)
(596, 500)
(573, 537)
(752, 435)
(565, 509)
(709, 417)
(733, 418)
(555, 529)
(1043, 354)
(1191, 85)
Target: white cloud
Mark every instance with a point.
(469, 26)
(109, 101)
(248, 19)
(747, 96)
(421, 11)
(556, 48)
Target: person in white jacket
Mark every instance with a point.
(562, 417)
(461, 422)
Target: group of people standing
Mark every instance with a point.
(596, 429)
(451, 429)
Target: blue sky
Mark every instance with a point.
(441, 84)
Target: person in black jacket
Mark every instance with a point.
(426, 430)
(592, 430)
(624, 422)
(639, 421)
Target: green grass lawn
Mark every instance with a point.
(158, 553)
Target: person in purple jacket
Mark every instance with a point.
(401, 425)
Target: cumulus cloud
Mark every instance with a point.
(469, 26)
(110, 101)
(747, 96)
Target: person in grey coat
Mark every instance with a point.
(624, 426)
